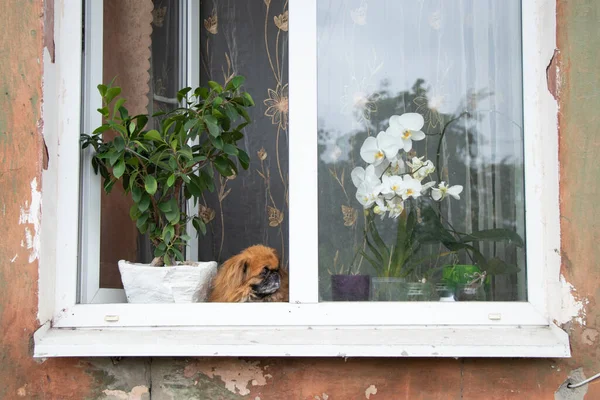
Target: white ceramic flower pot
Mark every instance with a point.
(178, 284)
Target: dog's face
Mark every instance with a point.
(261, 271)
(252, 275)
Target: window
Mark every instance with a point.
(345, 84)
(455, 71)
(157, 34)
(184, 50)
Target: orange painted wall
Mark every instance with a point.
(576, 75)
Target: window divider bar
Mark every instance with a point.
(191, 69)
(91, 183)
(303, 192)
(65, 129)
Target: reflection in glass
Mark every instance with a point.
(149, 33)
(421, 185)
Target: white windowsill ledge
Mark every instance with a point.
(415, 341)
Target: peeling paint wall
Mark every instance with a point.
(574, 79)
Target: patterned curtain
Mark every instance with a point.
(250, 38)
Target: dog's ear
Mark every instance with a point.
(235, 270)
(230, 278)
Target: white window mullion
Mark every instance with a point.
(65, 103)
(303, 236)
(91, 183)
(192, 79)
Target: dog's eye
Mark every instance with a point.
(265, 271)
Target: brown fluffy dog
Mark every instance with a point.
(253, 275)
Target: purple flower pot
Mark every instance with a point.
(350, 287)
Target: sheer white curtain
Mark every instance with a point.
(449, 60)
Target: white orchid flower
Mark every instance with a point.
(442, 191)
(404, 129)
(368, 192)
(421, 169)
(396, 166)
(366, 195)
(425, 187)
(380, 207)
(392, 186)
(395, 207)
(383, 167)
(360, 175)
(391, 143)
(375, 149)
(411, 187)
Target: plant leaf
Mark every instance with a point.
(142, 220)
(111, 93)
(178, 254)
(496, 266)
(190, 124)
(153, 135)
(144, 203)
(248, 98)
(150, 184)
(199, 225)
(136, 194)
(230, 149)
(102, 89)
(494, 235)
(182, 93)
(384, 251)
(173, 216)
(244, 158)
(222, 166)
(378, 267)
(165, 206)
(171, 180)
(215, 86)
(117, 105)
(119, 169)
(211, 124)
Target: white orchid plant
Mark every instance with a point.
(391, 178)
(392, 183)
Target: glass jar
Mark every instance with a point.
(388, 289)
(417, 291)
(470, 292)
(445, 292)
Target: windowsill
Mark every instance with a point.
(414, 341)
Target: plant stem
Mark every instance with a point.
(439, 148)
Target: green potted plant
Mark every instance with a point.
(164, 167)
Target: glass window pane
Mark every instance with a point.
(141, 54)
(421, 177)
(249, 39)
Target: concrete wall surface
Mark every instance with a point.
(574, 78)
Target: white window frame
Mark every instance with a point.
(302, 327)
